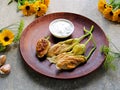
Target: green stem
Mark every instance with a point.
(47, 37)
(93, 49)
(88, 40)
(87, 33)
(92, 27)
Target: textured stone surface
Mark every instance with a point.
(23, 78)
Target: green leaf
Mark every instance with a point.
(20, 28)
(111, 1)
(2, 48)
(115, 4)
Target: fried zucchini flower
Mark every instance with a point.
(69, 61)
(42, 47)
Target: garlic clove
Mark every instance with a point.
(2, 59)
(5, 69)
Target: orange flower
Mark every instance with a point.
(102, 5)
(116, 15)
(108, 13)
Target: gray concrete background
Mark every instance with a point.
(23, 78)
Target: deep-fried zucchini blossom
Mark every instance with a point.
(72, 55)
(42, 47)
(67, 61)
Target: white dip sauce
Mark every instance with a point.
(61, 27)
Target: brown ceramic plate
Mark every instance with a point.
(40, 28)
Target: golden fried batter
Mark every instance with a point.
(68, 61)
(42, 47)
(61, 47)
(56, 49)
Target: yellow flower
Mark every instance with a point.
(108, 13)
(40, 9)
(6, 37)
(102, 4)
(27, 8)
(46, 2)
(116, 15)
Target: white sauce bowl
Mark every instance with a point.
(61, 28)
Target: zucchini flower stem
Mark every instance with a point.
(87, 33)
(92, 27)
(90, 38)
(93, 49)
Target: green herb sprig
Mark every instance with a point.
(111, 56)
(20, 28)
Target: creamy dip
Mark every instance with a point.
(61, 28)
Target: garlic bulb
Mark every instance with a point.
(5, 69)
